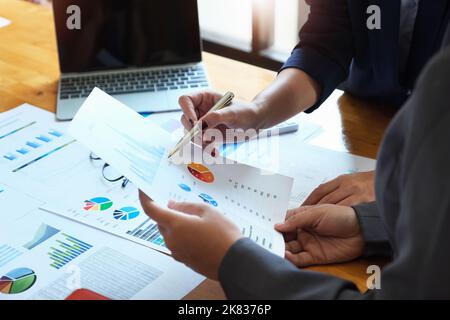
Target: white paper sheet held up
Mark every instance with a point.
(39, 158)
(137, 149)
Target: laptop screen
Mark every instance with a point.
(98, 35)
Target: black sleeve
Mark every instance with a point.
(325, 49)
(376, 242)
(251, 272)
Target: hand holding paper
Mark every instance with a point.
(137, 149)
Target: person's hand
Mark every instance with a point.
(238, 115)
(345, 190)
(321, 235)
(196, 234)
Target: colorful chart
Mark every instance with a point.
(201, 172)
(97, 204)
(126, 213)
(43, 233)
(185, 187)
(66, 250)
(148, 231)
(17, 281)
(208, 199)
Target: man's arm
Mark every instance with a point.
(251, 272)
(318, 64)
(421, 266)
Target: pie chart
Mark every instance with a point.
(126, 213)
(17, 281)
(97, 204)
(201, 172)
(208, 199)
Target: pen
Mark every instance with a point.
(222, 103)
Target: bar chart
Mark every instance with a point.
(36, 142)
(7, 254)
(66, 250)
(148, 231)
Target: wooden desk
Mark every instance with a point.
(29, 73)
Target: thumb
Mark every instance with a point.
(225, 116)
(306, 219)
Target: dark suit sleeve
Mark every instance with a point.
(325, 49)
(376, 242)
(251, 272)
(420, 268)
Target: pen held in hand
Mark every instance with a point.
(222, 103)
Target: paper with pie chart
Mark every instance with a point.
(254, 200)
(17, 281)
(52, 251)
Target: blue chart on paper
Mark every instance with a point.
(8, 254)
(43, 233)
(185, 187)
(208, 199)
(126, 213)
(66, 250)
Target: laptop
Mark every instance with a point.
(144, 53)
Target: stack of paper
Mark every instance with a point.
(47, 168)
(43, 256)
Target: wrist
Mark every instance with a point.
(260, 114)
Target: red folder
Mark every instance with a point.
(85, 294)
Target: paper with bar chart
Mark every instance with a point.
(254, 201)
(52, 177)
(57, 257)
(28, 137)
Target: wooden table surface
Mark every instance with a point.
(29, 73)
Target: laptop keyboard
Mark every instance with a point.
(136, 81)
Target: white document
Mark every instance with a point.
(39, 158)
(49, 257)
(319, 165)
(15, 204)
(29, 135)
(54, 174)
(309, 165)
(253, 200)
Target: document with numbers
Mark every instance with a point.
(255, 200)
